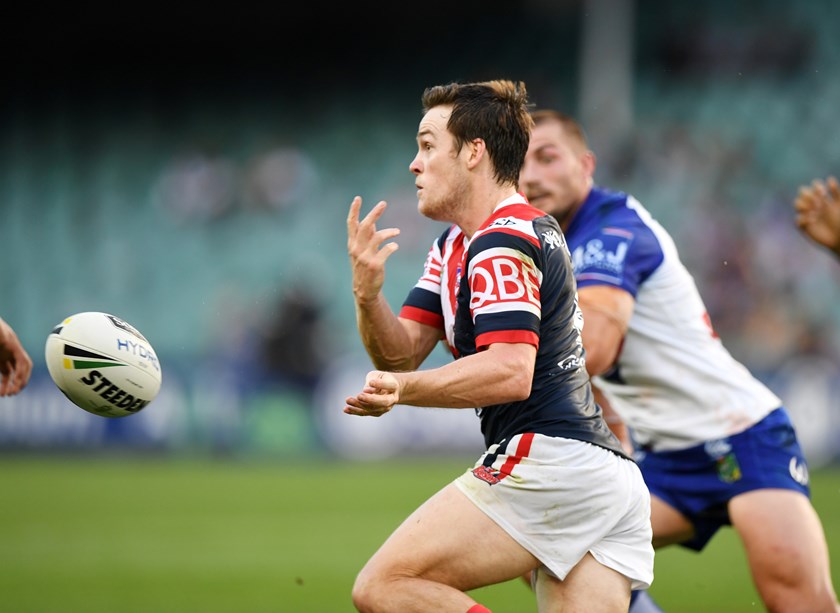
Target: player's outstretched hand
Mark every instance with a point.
(367, 251)
(380, 394)
(818, 212)
(15, 363)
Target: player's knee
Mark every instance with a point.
(366, 592)
(801, 599)
(800, 583)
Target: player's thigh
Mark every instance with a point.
(589, 587)
(669, 525)
(782, 535)
(450, 540)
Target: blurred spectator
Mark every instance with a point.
(198, 186)
(295, 346)
(278, 178)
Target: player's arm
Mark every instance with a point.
(392, 343)
(606, 315)
(614, 421)
(502, 373)
(15, 363)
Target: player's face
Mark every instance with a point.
(557, 174)
(440, 174)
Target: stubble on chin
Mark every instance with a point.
(431, 208)
(445, 209)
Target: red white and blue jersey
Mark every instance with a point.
(674, 383)
(512, 282)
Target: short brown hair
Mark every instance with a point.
(570, 126)
(494, 111)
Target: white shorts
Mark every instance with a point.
(561, 498)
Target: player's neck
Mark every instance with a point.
(481, 205)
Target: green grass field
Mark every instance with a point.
(114, 534)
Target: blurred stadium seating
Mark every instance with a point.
(190, 215)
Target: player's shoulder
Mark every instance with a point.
(608, 210)
(613, 204)
(614, 224)
(513, 220)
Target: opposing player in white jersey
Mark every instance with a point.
(715, 445)
(554, 493)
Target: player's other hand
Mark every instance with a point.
(368, 250)
(15, 363)
(818, 212)
(380, 394)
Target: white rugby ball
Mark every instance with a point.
(103, 364)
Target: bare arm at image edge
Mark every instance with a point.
(818, 213)
(15, 363)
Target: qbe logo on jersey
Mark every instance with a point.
(502, 280)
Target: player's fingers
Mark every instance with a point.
(375, 401)
(799, 203)
(367, 400)
(385, 252)
(354, 406)
(351, 406)
(353, 216)
(349, 409)
(819, 190)
(363, 234)
(369, 221)
(354, 403)
(374, 241)
(5, 382)
(23, 370)
(834, 189)
(386, 234)
(805, 199)
(16, 386)
(378, 384)
(363, 413)
(803, 204)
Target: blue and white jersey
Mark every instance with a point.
(674, 383)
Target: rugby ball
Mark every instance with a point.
(103, 364)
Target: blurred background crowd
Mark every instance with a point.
(191, 173)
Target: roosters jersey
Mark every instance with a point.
(674, 383)
(512, 282)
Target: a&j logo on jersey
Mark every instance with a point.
(603, 256)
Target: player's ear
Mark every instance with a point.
(589, 162)
(477, 149)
